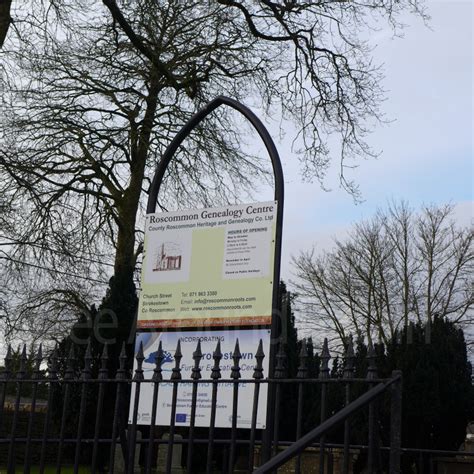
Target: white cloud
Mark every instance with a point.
(427, 150)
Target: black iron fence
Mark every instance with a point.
(74, 413)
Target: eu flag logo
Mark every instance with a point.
(180, 417)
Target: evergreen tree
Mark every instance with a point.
(289, 342)
(438, 397)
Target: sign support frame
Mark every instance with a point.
(279, 198)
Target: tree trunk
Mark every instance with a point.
(122, 299)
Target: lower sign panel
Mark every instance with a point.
(248, 342)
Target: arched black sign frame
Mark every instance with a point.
(279, 197)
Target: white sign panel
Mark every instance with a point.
(248, 342)
(208, 267)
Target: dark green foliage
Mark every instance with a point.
(289, 331)
(29, 371)
(112, 323)
(289, 339)
(313, 360)
(438, 398)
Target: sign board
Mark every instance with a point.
(248, 342)
(208, 267)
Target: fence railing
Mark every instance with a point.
(84, 410)
(365, 400)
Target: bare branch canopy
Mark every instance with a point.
(92, 93)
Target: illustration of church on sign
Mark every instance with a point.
(168, 258)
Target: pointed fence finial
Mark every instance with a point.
(158, 371)
(69, 372)
(236, 356)
(349, 359)
(104, 359)
(21, 374)
(86, 371)
(122, 371)
(303, 358)
(281, 362)
(8, 363)
(176, 372)
(371, 362)
(38, 359)
(259, 356)
(217, 356)
(325, 358)
(197, 356)
(53, 365)
(138, 377)
(39, 356)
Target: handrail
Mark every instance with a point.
(298, 446)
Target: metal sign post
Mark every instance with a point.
(279, 198)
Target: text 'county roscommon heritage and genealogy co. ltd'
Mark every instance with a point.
(209, 267)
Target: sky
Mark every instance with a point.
(427, 147)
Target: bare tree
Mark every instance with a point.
(93, 92)
(396, 268)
